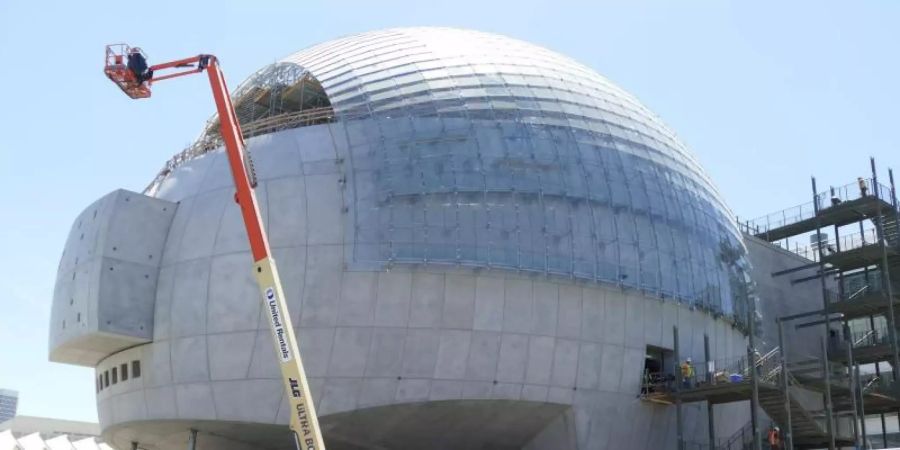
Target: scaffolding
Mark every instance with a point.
(857, 270)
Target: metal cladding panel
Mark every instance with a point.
(476, 149)
(106, 281)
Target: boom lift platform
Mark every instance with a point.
(127, 68)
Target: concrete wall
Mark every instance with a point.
(106, 281)
(779, 296)
(409, 338)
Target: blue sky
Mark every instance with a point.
(766, 93)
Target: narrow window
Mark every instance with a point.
(135, 369)
(124, 370)
(78, 319)
(100, 382)
(106, 379)
(115, 375)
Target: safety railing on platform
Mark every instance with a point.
(693, 375)
(827, 199)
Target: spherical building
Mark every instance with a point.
(483, 244)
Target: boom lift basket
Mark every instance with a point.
(116, 69)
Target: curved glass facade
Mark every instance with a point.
(480, 150)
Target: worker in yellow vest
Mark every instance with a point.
(687, 373)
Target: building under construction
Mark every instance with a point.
(827, 379)
(484, 245)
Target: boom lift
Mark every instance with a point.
(127, 67)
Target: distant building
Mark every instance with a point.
(9, 400)
(40, 432)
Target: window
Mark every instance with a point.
(135, 369)
(106, 379)
(124, 369)
(99, 383)
(115, 375)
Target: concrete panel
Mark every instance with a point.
(248, 400)
(392, 306)
(513, 358)
(634, 321)
(340, 394)
(483, 353)
(315, 348)
(287, 196)
(546, 308)
(489, 298)
(570, 312)
(518, 306)
(275, 155)
(420, 352)
(507, 391)
(199, 232)
(412, 390)
(357, 301)
(324, 270)
(565, 362)
(230, 355)
(611, 367)
(195, 401)
(189, 359)
(106, 287)
(614, 318)
(446, 390)
(157, 364)
(589, 357)
(161, 402)
(653, 323)
(263, 361)
(234, 300)
(348, 357)
(386, 352)
(324, 204)
(231, 234)
(453, 351)
(427, 302)
(163, 304)
(459, 301)
(377, 391)
(592, 318)
(534, 393)
(189, 295)
(540, 360)
(315, 143)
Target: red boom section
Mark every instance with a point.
(234, 148)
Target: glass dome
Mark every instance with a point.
(474, 149)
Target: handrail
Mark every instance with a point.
(826, 199)
(858, 292)
(863, 337)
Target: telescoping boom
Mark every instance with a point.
(127, 67)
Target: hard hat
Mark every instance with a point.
(689, 359)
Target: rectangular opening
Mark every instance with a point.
(124, 369)
(658, 365)
(106, 379)
(115, 375)
(135, 369)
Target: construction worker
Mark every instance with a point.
(137, 64)
(687, 373)
(863, 188)
(774, 437)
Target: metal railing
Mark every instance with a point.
(711, 373)
(827, 199)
